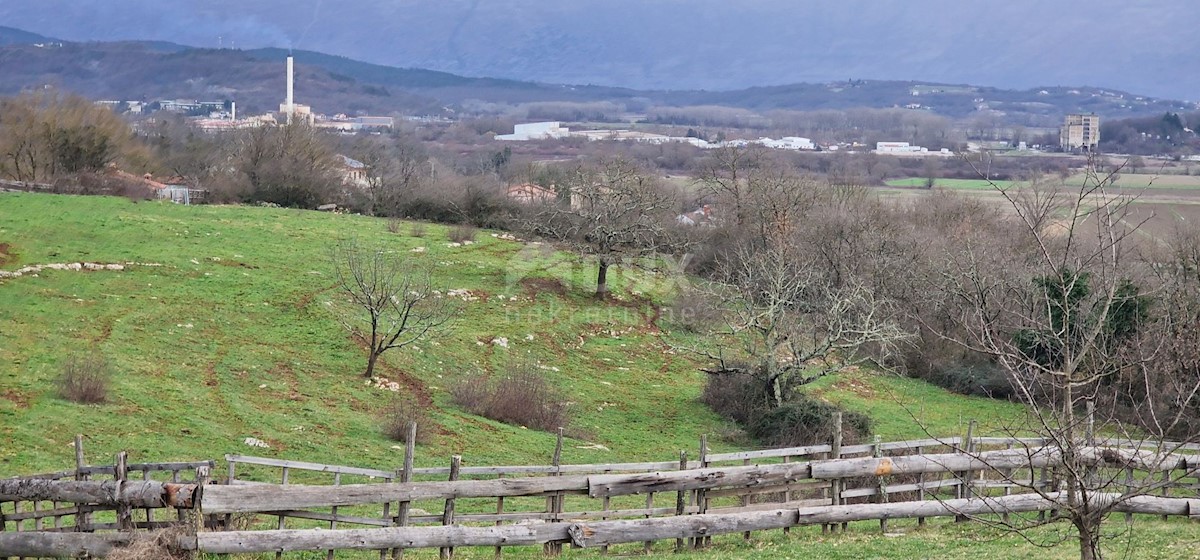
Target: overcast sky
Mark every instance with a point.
(1146, 47)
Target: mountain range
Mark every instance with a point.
(1145, 46)
(149, 70)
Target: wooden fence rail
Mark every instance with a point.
(582, 505)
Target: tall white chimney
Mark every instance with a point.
(290, 107)
(233, 110)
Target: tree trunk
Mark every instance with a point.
(602, 279)
(372, 357)
(1089, 541)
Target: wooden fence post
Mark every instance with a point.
(554, 503)
(701, 499)
(402, 508)
(681, 499)
(120, 474)
(835, 486)
(82, 517)
(499, 510)
(282, 519)
(202, 476)
(964, 477)
(447, 552)
(337, 481)
(231, 476)
(881, 496)
(920, 487)
(745, 502)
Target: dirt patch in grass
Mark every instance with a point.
(284, 370)
(535, 286)
(6, 254)
(18, 398)
(307, 298)
(859, 387)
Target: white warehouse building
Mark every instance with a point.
(536, 131)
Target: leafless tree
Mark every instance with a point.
(611, 211)
(794, 322)
(396, 168)
(291, 165)
(1070, 322)
(46, 134)
(393, 303)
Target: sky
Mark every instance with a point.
(1145, 47)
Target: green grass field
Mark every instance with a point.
(227, 330)
(232, 334)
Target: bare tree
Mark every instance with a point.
(611, 211)
(396, 168)
(795, 322)
(394, 303)
(1071, 324)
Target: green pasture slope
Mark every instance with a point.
(231, 334)
(226, 330)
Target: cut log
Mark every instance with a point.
(276, 497)
(238, 542)
(604, 533)
(673, 481)
(138, 494)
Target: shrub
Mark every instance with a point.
(736, 396)
(393, 225)
(461, 233)
(801, 420)
(399, 414)
(521, 397)
(85, 379)
(417, 229)
(807, 421)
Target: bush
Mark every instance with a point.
(736, 396)
(417, 229)
(393, 225)
(807, 421)
(462, 233)
(802, 420)
(85, 379)
(402, 412)
(521, 397)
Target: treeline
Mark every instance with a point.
(1168, 134)
(1054, 299)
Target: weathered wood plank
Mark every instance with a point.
(240, 542)
(274, 497)
(603, 533)
(306, 466)
(50, 544)
(142, 494)
(769, 453)
(698, 479)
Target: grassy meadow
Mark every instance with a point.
(223, 326)
(227, 329)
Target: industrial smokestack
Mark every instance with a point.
(290, 107)
(233, 110)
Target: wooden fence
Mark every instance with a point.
(330, 507)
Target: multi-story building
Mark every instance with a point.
(1080, 132)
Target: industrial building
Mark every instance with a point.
(1080, 132)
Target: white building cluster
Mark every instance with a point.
(906, 149)
(552, 130)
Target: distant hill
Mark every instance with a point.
(11, 36)
(332, 84)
